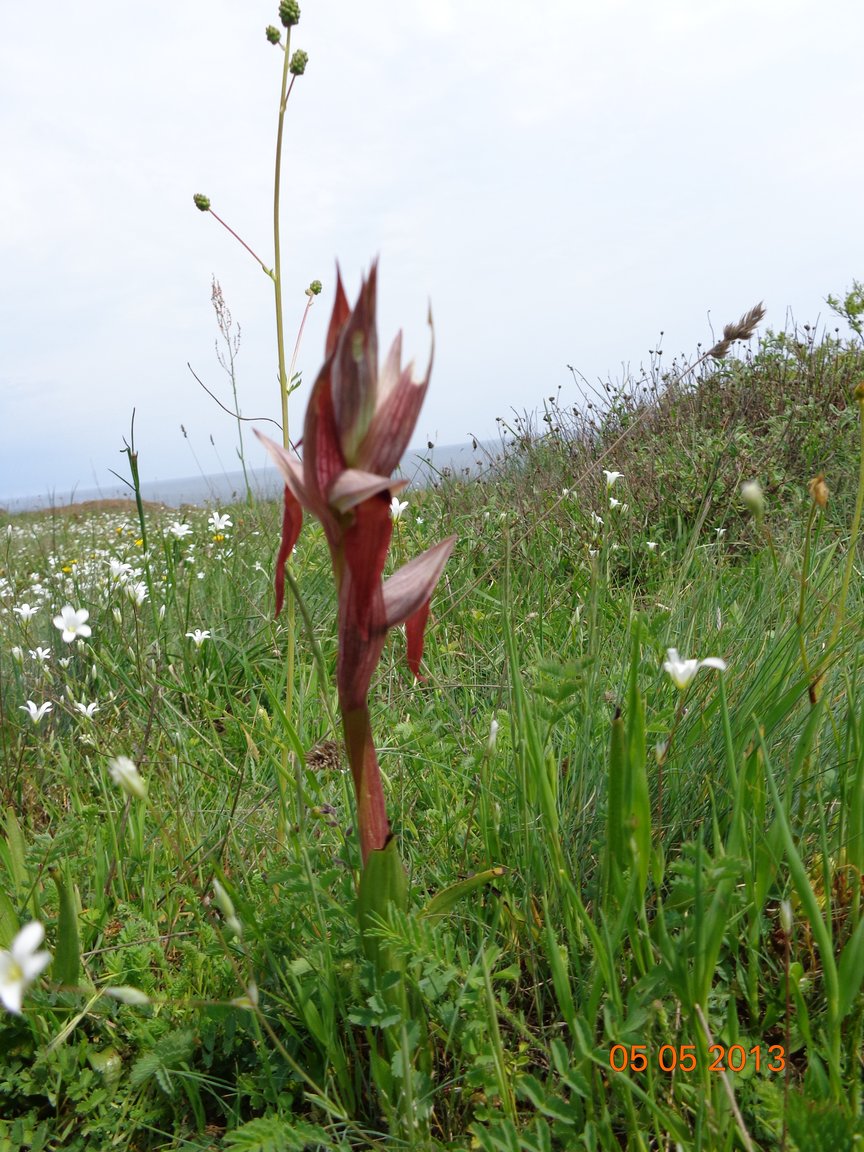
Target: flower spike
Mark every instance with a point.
(358, 423)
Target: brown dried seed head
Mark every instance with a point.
(325, 756)
(818, 490)
(720, 350)
(743, 330)
(746, 326)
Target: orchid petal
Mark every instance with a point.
(392, 369)
(290, 469)
(713, 662)
(353, 486)
(399, 402)
(392, 426)
(412, 584)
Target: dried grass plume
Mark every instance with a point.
(743, 330)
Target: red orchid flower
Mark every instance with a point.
(357, 427)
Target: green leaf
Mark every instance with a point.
(559, 963)
(67, 955)
(445, 901)
(274, 1134)
(639, 801)
(15, 842)
(550, 1105)
(168, 1058)
(819, 1126)
(850, 971)
(383, 883)
(809, 902)
(8, 920)
(618, 802)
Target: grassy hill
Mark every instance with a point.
(647, 929)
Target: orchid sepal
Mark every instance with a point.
(413, 584)
(400, 399)
(415, 636)
(354, 486)
(292, 522)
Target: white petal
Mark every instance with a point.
(11, 991)
(34, 965)
(28, 940)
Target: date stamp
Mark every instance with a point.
(684, 1058)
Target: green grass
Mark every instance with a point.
(633, 849)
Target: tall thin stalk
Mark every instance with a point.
(293, 66)
(277, 247)
(225, 323)
(283, 392)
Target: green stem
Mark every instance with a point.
(277, 248)
(803, 597)
(136, 488)
(142, 523)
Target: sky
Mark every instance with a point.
(562, 181)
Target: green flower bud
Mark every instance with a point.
(314, 288)
(202, 203)
(298, 62)
(289, 12)
(272, 34)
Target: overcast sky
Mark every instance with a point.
(562, 180)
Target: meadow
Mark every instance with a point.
(635, 885)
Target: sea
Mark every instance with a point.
(420, 467)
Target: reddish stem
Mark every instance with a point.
(240, 240)
(371, 810)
